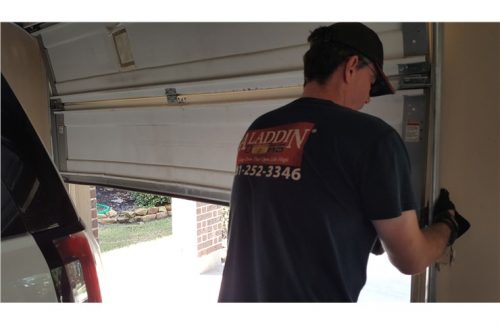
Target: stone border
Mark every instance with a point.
(137, 216)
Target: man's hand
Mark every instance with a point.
(445, 212)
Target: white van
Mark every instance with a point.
(46, 255)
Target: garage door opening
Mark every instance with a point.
(175, 249)
(126, 218)
(384, 282)
(157, 247)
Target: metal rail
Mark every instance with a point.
(436, 92)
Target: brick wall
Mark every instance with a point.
(209, 227)
(84, 200)
(93, 212)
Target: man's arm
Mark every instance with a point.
(410, 248)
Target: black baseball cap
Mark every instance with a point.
(365, 41)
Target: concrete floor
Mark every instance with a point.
(148, 272)
(151, 272)
(384, 282)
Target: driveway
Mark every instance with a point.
(148, 272)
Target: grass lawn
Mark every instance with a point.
(114, 236)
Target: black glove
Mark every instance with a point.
(458, 224)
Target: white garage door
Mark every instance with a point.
(162, 107)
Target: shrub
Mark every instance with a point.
(149, 200)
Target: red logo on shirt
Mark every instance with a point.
(281, 145)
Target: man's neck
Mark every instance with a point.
(322, 91)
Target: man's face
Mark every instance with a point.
(362, 82)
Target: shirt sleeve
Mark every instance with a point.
(386, 189)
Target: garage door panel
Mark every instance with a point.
(182, 189)
(211, 69)
(174, 118)
(84, 56)
(159, 173)
(189, 145)
(180, 145)
(209, 40)
(145, 146)
(71, 45)
(214, 40)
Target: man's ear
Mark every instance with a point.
(350, 68)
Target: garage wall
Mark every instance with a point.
(470, 158)
(24, 69)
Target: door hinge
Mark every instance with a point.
(56, 105)
(173, 97)
(414, 75)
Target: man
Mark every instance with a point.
(317, 182)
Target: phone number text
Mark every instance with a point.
(270, 171)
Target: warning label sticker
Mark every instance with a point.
(412, 132)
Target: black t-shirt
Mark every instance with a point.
(310, 177)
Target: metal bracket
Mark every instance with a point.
(415, 39)
(48, 66)
(415, 135)
(173, 96)
(59, 135)
(413, 68)
(56, 105)
(123, 48)
(414, 75)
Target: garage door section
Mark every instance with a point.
(162, 107)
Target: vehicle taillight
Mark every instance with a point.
(80, 268)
